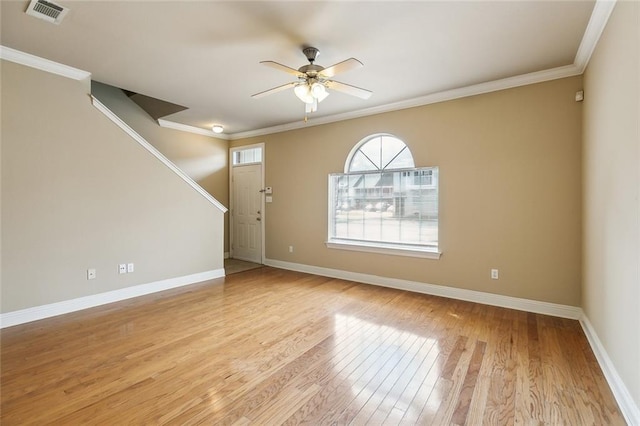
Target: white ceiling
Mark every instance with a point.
(205, 55)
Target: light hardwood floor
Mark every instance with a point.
(269, 346)
(233, 266)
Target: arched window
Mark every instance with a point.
(382, 202)
(379, 152)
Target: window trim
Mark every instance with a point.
(425, 252)
(234, 150)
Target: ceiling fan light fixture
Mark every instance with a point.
(319, 92)
(303, 92)
(313, 80)
(217, 128)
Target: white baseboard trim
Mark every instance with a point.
(553, 309)
(629, 409)
(54, 309)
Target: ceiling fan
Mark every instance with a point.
(314, 80)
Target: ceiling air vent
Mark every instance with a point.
(46, 10)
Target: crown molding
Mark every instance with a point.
(597, 22)
(599, 18)
(42, 64)
(191, 129)
(447, 95)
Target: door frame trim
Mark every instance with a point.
(233, 150)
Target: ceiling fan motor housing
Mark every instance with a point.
(311, 53)
(310, 70)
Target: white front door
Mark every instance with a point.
(247, 213)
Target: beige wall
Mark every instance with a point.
(611, 293)
(204, 159)
(78, 193)
(510, 191)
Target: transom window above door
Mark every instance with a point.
(250, 155)
(382, 202)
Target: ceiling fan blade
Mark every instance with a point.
(284, 68)
(274, 90)
(344, 66)
(349, 89)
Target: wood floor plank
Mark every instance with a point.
(535, 403)
(469, 384)
(381, 382)
(434, 388)
(404, 402)
(377, 361)
(455, 397)
(438, 396)
(500, 404)
(394, 388)
(269, 346)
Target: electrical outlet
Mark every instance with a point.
(122, 268)
(130, 267)
(494, 274)
(290, 249)
(91, 274)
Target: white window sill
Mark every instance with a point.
(396, 250)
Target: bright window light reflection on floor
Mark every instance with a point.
(384, 365)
